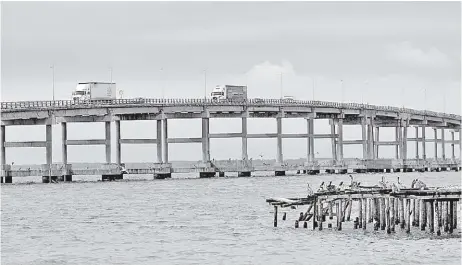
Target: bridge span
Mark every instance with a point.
(370, 117)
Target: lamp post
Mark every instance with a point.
(162, 82)
(343, 91)
(205, 85)
(281, 86)
(53, 80)
(312, 91)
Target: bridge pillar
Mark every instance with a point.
(443, 145)
(165, 142)
(244, 139)
(310, 140)
(205, 140)
(398, 141)
(370, 138)
(417, 142)
(436, 142)
(64, 142)
(49, 154)
(364, 137)
(279, 158)
(118, 145)
(405, 141)
(108, 141)
(159, 140)
(333, 140)
(340, 139)
(377, 140)
(453, 153)
(424, 144)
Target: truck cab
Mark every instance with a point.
(218, 93)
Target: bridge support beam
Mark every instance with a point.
(417, 143)
(49, 154)
(364, 136)
(108, 141)
(205, 140)
(118, 144)
(453, 153)
(244, 139)
(436, 142)
(377, 140)
(398, 141)
(424, 143)
(6, 179)
(443, 145)
(165, 142)
(405, 141)
(310, 139)
(159, 140)
(340, 140)
(333, 140)
(63, 142)
(279, 158)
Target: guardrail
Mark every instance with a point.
(66, 104)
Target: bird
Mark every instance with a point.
(309, 190)
(330, 187)
(418, 184)
(384, 184)
(322, 187)
(353, 184)
(400, 185)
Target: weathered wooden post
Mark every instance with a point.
(417, 212)
(431, 216)
(331, 213)
(360, 206)
(370, 210)
(275, 216)
(339, 215)
(396, 214)
(423, 215)
(387, 215)
(440, 214)
(392, 215)
(401, 213)
(383, 217)
(438, 217)
(314, 213)
(454, 214)
(408, 215)
(450, 217)
(364, 221)
(284, 216)
(446, 216)
(350, 205)
(296, 223)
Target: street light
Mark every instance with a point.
(53, 80)
(281, 86)
(343, 91)
(312, 91)
(205, 85)
(162, 81)
(362, 90)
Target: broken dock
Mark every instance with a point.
(382, 208)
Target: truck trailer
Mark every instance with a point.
(229, 92)
(94, 91)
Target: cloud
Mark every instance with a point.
(405, 53)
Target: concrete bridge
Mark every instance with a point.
(370, 117)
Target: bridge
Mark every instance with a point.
(370, 117)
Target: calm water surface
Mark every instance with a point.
(198, 221)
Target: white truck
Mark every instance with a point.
(94, 91)
(229, 92)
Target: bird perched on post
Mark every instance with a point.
(418, 184)
(309, 190)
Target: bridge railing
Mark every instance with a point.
(60, 104)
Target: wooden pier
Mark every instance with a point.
(383, 208)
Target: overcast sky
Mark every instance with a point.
(387, 53)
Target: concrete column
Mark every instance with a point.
(165, 142)
(108, 141)
(364, 137)
(453, 153)
(398, 142)
(417, 142)
(159, 140)
(443, 145)
(2, 144)
(49, 140)
(436, 142)
(370, 139)
(308, 140)
(63, 141)
(340, 139)
(401, 145)
(334, 146)
(205, 140)
(424, 144)
(405, 141)
(118, 144)
(311, 139)
(244, 139)
(279, 158)
(377, 140)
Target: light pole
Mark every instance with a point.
(53, 80)
(444, 99)
(343, 91)
(205, 85)
(312, 91)
(402, 96)
(162, 80)
(281, 86)
(362, 91)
